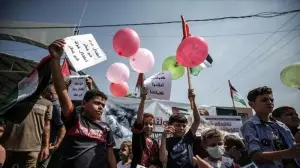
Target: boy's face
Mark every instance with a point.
(148, 125)
(179, 128)
(290, 118)
(94, 107)
(214, 141)
(263, 104)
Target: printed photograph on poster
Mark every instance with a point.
(83, 51)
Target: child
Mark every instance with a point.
(177, 151)
(145, 149)
(288, 116)
(270, 142)
(234, 148)
(125, 155)
(89, 141)
(214, 144)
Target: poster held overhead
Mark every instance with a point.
(83, 51)
(159, 85)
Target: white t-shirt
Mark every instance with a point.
(120, 165)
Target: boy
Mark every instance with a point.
(145, 149)
(234, 148)
(89, 141)
(177, 151)
(270, 143)
(290, 118)
(213, 141)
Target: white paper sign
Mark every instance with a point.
(77, 88)
(231, 124)
(159, 85)
(83, 51)
(139, 166)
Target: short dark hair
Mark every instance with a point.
(177, 118)
(253, 94)
(211, 133)
(232, 140)
(146, 115)
(94, 93)
(277, 113)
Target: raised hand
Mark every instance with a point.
(169, 130)
(56, 49)
(191, 95)
(144, 92)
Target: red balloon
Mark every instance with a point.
(119, 89)
(126, 42)
(192, 51)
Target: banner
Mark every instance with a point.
(120, 114)
(230, 124)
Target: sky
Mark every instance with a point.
(250, 52)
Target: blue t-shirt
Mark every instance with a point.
(180, 151)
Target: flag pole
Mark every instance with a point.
(185, 35)
(231, 95)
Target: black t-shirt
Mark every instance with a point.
(180, 151)
(86, 142)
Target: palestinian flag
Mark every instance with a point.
(235, 96)
(206, 64)
(176, 110)
(22, 99)
(65, 68)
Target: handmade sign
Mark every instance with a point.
(159, 85)
(77, 88)
(83, 51)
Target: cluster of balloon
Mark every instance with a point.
(126, 43)
(118, 74)
(170, 64)
(192, 51)
(290, 75)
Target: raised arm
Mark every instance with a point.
(140, 113)
(196, 114)
(56, 51)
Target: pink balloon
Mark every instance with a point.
(119, 89)
(117, 73)
(126, 42)
(192, 51)
(142, 61)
